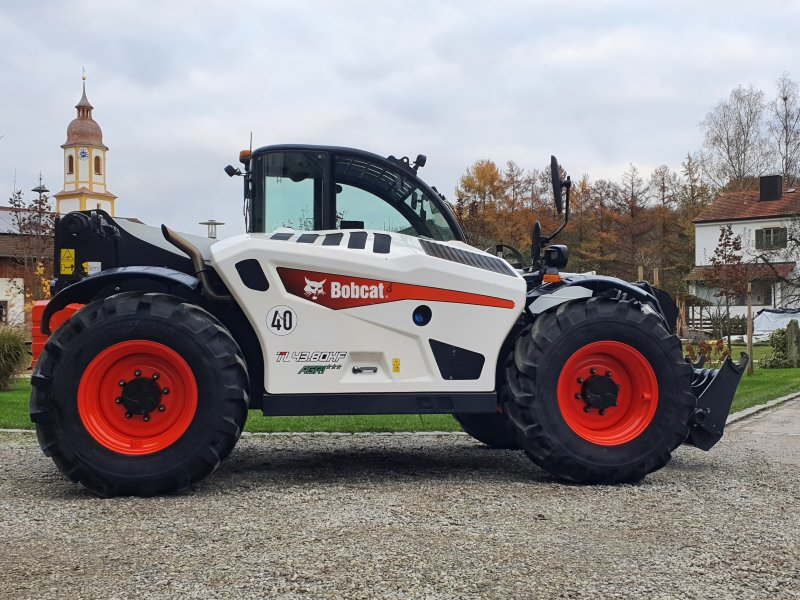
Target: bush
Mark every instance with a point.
(721, 324)
(13, 354)
(777, 359)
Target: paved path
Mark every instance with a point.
(776, 432)
(414, 517)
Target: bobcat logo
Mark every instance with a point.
(314, 289)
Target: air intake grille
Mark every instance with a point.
(472, 259)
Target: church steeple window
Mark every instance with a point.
(70, 164)
(98, 166)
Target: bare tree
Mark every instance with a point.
(784, 128)
(33, 220)
(736, 144)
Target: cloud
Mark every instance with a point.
(179, 86)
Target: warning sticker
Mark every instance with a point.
(395, 365)
(67, 261)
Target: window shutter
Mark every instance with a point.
(780, 238)
(759, 239)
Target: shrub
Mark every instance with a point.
(721, 324)
(777, 359)
(13, 354)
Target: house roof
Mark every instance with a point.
(739, 206)
(755, 271)
(14, 245)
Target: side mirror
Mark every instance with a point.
(555, 175)
(231, 171)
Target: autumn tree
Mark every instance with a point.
(728, 275)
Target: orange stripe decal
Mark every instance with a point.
(345, 291)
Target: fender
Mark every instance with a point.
(575, 286)
(121, 279)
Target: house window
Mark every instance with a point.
(4, 311)
(98, 166)
(771, 238)
(70, 164)
(762, 293)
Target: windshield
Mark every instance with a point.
(314, 190)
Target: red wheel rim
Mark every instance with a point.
(595, 367)
(137, 397)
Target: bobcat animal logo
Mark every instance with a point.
(314, 289)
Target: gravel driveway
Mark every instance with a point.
(407, 516)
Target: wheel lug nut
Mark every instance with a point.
(593, 371)
(122, 383)
(602, 411)
(615, 403)
(161, 408)
(146, 418)
(155, 376)
(117, 400)
(137, 373)
(608, 373)
(587, 408)
(128, 415)
(580, 379)
(165, 391)
(578, 395)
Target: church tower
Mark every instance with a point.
(84, 164)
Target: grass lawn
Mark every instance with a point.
(759, 351)
(762, 387)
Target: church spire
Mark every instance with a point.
(84, 164)
(84, 108)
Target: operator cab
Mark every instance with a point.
(328, 187)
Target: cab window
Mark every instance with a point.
(382, 197)
(359, 209)
(288, 190)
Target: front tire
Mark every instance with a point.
(599, 391)
(139, 394)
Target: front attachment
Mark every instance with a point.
(714, 389)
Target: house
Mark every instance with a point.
(763, 219)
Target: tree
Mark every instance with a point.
(736, 145)
(694, 193)
(784, 128)
(33, 221)
(632, 226)
(727, 273)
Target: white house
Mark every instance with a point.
(764, 219)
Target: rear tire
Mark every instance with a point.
(494, 430)
(559, 383)
(139, 394)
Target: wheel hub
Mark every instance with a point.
(137, 397)
(600, 392)
(140, 396)
(607, 392)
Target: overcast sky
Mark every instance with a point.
(178, 86)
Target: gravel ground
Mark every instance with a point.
(408, 516)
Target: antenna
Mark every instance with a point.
(251, 142)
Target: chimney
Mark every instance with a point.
(770, 188)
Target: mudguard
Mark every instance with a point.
(715, 389)
(575, 286)
(87, 289)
